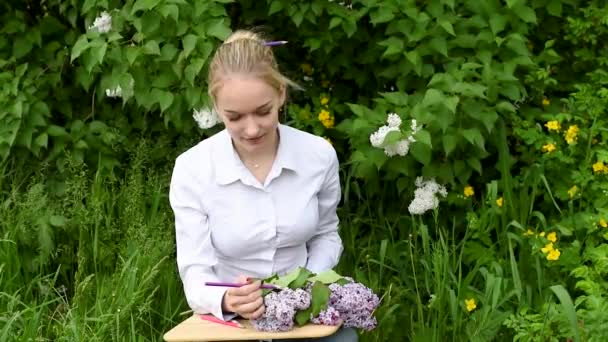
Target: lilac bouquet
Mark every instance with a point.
(326, 298)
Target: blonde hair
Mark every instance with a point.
(244, 52)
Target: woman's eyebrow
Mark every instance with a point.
(256, 110)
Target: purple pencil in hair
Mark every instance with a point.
(275, 43)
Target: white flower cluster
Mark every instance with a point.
(402, 146)
(425, 196)
(205, 118)
(103, 23)
(116, 92)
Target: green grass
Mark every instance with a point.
(89, 257)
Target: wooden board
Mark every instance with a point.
(195, 329)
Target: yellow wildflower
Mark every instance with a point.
(324, 115)
(548, 248)
(324, 100)
(553, 255)
(553, 125)
(306, 68)
(326, 119)
(548, 148)
(546, 101)
(571, 134)
(470, 304)
(552, 237)
(603, 223)
(573, 190)
(541, 234)
(499, 202)
(468, 191)
(529, 232)
(598, 167)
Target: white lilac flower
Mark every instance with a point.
(103, 23)
(116, 92)
(400, 148)
(377, 138)
(393, 120)
(205, 118)
(425, 197)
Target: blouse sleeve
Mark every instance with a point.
(325, 247)
(195, 252)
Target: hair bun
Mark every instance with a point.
(242, 34)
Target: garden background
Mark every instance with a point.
(510, 102)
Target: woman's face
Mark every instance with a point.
(249, 108)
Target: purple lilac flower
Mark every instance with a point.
(355, 303)
(281, 308)
(329, 316)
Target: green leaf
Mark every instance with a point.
(164, 98)
(335, 21)
(219, 29)
(414, 58)
(392, 138)
(424, 137)
(151, 48)
(21, 47)
(132, 52)
(568, 307)
(396, 98)
(189, 43)
(193, 69)
(421, 153)
(497, 23)
(326, 277)
(144, 5)
(504, 106)
(167, 52)
(449, 143)
(275, 7)
(432, 97)
(440, 45)
(447, 26)
(394, 46)
(303, 316)
(512, 3)
(42, 140)
(98, 52)
(473, 135)
(301, 280)
(57, 221)
(451, 102)
(88, 4)
(526, 14)
(475, 164)
(320, 296)
(555, 8)
(360, 110)
(56, 131)
(382, 14)
(170, 10)
(288, 278)
(79, 47)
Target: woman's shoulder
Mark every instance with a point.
(198, 157)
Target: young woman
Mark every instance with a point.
(257, 198)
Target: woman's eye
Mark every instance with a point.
(263, 113)
(234, 118)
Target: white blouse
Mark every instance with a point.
(227, 223)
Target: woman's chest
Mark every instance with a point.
(244, 220)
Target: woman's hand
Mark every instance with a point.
(246, 300)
